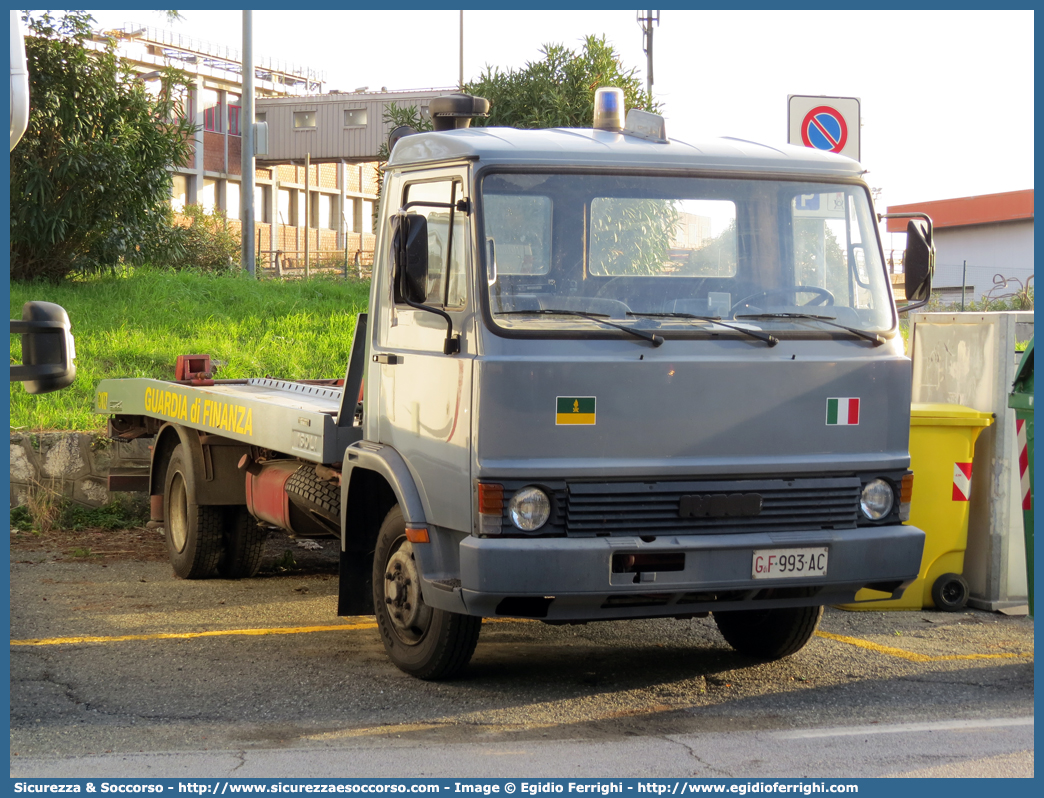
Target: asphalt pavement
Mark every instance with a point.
(119, 668)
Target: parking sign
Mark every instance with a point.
(830, 124)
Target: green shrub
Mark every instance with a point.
(90, 179)
(205, 244)
(59, 513)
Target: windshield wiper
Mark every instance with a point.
(655, 340)
(874, 338)
(768, 339)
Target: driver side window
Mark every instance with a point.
(446, 257)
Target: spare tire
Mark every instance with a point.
(317, 497)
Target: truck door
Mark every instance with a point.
(425, 395)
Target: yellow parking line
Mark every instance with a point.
(279, 630)
(910, 655)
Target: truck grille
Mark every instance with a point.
(636, 508)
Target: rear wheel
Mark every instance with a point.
(193, 532)
(420, 640)
(768, 634)
(244, 545)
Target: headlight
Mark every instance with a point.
(877, 499)
(529, 509)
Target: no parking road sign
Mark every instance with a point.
(830, 124)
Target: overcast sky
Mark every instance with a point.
(946, 96)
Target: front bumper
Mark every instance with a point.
(571, 579)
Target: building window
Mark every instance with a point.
(211, 111)
(367, 216)
(208, 196)
(179, 193)
(304, 120)
(355, 117)
(233, 114)
(232, 196)
(299, 209)
(322, 212)
(349, 215)
(261, 204)
(284, 208)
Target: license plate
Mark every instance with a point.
(788, 563)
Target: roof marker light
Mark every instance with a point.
(608, 108)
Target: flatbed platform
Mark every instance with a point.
(298, 418)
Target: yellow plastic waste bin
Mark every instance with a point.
(942, 442)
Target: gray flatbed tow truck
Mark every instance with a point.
(607, 376)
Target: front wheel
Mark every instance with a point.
(420, 640)
(769, 634)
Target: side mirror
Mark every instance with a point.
(410, 256)
(919, 262)
(47, 348)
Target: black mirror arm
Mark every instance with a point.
(452, 344)
(914, 215)
(911, 306)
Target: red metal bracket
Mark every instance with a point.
(195, 369)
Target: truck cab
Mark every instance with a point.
(621, 376)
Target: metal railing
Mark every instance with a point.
(290, 263)
(227, 58)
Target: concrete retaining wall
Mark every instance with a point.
(73, 464)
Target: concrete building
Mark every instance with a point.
(331, 203)
(984, 243)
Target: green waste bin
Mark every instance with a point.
(1021, 399)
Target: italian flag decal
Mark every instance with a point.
(575, 410)
(843, 411)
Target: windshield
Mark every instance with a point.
(673, 253)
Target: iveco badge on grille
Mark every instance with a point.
(719, 505)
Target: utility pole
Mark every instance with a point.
(646, 24)
(246, 131)
(460, 87)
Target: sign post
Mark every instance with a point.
(830, 124)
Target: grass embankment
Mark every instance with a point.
(136, 326)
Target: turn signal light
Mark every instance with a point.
(490, 507)
(417, 534)
(906, 497)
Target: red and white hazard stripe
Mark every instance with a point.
(962, 482)
(1027, 491)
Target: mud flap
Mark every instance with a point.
(355, 584)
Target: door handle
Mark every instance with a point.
(387, 360)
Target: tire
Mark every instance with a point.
(315, 496)
(950, 593)
(193, 532)
(769, 634)
(421, 641)
(244, 545)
